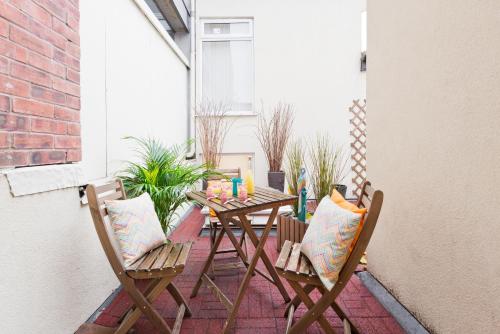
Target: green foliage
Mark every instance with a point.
(294, 163)
(164, 174)
(328, 163)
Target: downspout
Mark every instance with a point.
(191, 135)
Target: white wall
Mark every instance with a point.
(306, 53)
(133, 84)
(434, 96)
(54, 272)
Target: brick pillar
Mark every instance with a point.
(39, 82)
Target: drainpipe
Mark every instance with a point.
(191, 135)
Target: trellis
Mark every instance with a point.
(358, 144)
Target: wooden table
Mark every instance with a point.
(235, 212)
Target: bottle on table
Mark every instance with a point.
(249, 182)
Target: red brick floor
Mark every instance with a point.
(262, 308)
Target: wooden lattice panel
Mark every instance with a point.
(358, 144)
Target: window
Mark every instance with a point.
(227, 65)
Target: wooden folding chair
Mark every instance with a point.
(300, 274)
(160, 266)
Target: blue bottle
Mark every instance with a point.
(236, 181)
(302, 208)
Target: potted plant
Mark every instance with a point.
(164, 174)
(328, 165)
(289, 226)
(273, 132)
(294, 165)
(212, 126)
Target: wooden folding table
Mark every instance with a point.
(235, 212)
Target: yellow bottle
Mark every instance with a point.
(249, 182)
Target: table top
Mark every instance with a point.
(263, 198)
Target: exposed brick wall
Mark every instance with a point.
(39, 82)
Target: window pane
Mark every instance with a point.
(240, 28)
(228, 73)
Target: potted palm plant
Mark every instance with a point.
(328, 165)
(273, 132)
(164, 174)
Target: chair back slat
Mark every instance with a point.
(97, 194)
(365, 199)
(229, 173)
(372, 200)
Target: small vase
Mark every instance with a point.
(341, 188)
(276, 180)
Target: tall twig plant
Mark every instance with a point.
(273, 132)
(213, 126)
(327, 166)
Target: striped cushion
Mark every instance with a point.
(136, 226)
(327, 240)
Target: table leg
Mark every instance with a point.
(208, 263)
(225, 226)
(250, 269)
(255, 240)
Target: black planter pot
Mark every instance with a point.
(341, 188)
(276, 180)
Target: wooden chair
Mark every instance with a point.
(300, 274)
(160, 266)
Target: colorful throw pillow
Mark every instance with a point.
(136, 226)
(338, 199)
(328, 238)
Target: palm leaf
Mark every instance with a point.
(164, 174)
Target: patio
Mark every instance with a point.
(262, 309)
(354, 144)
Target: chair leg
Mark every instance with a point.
(341, 314)
(319, 308)
(147, 291)
(308, 288)
(213, 236)
(243, 242)
(301, 326)
(179, 298)
(144, 306)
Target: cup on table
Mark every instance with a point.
(242, 192)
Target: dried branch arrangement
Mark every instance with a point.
(273, 133)
(327, 167)
(213, 126)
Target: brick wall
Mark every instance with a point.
(39, 82)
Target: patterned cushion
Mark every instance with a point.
(338, 199)
(327, 240)
(136, 226)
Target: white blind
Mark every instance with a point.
(227, 65)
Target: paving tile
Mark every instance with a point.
(262, 308)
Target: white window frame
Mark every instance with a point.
(202, 37)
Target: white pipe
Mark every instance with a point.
(191, 135)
